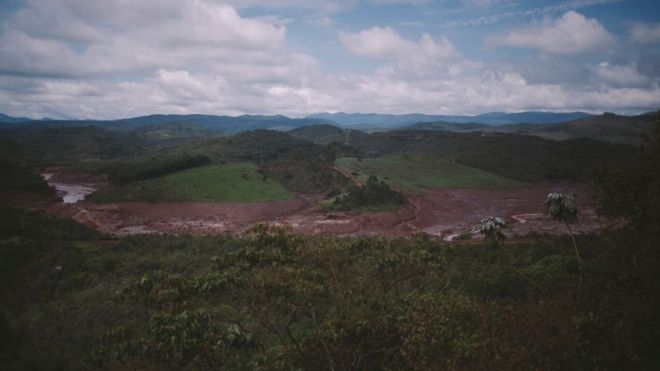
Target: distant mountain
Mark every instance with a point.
(607, 127)
(452, 126)
(224, 124)
(5, 119)
(493, 118)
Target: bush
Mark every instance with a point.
(372, 195)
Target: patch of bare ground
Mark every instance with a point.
(445, 213)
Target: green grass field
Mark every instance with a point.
(232, 182)
(417, 171)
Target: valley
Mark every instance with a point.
(441, 212)
(322, 241)
(337, 185)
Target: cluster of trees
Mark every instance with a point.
(126, 171)
(373, 194)
(16, 169)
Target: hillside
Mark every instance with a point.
(418, 171)
(493, 118)
(6, 119)
(607, 127)
(521, 157)
(319, 134)
(225, 124)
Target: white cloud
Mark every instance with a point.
(426, 58)
(376, 42)
(386, 43)
(316, 6)
(104, 59)
(645, 33)
(571, 33)
(134, 38)
(620, 76)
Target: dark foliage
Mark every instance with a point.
(632, 191)
(123, 172)
(374, 194)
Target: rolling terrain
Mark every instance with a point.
(607, 127)
(417, 172)
(492, 118)
(233, 182)
(180, 178)
(148, 244)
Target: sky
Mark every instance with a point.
(106, 59)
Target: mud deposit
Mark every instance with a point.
(72, 187)
(445, 213)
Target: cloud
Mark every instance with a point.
(314, 6)
(142, 54)
(571, 33)
(133, 39)
(645, 33)
(501, 10)
(406, 2)
(103, 59)
(376, 42)
(386, 43)
(425, 58)
(620, 76)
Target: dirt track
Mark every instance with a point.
(444, 213)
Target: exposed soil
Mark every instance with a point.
(446, 213)
(72, 187)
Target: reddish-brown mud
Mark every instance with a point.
(445, 213)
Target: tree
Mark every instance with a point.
(631, 193)
(563, 208)
(491, 228)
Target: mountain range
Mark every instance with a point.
(559, 126)
(247, 122)
(492, 118)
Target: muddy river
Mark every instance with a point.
(444, 213)
(70, 192)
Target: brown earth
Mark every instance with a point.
(60, 174)
(445, 213)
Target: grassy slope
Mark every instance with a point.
(233, 182)
(520, 157)
(417, 171)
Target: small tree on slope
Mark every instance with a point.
(491, 229)
(563, 208)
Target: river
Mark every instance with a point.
(70, 193)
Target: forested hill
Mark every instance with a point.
(492, 118)
(225, 124)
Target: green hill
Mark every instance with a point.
(520, 157)
(234, 182)
(419, 171)
(607, 127)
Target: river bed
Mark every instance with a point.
(70, 192)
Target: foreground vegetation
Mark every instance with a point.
(270, 299)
